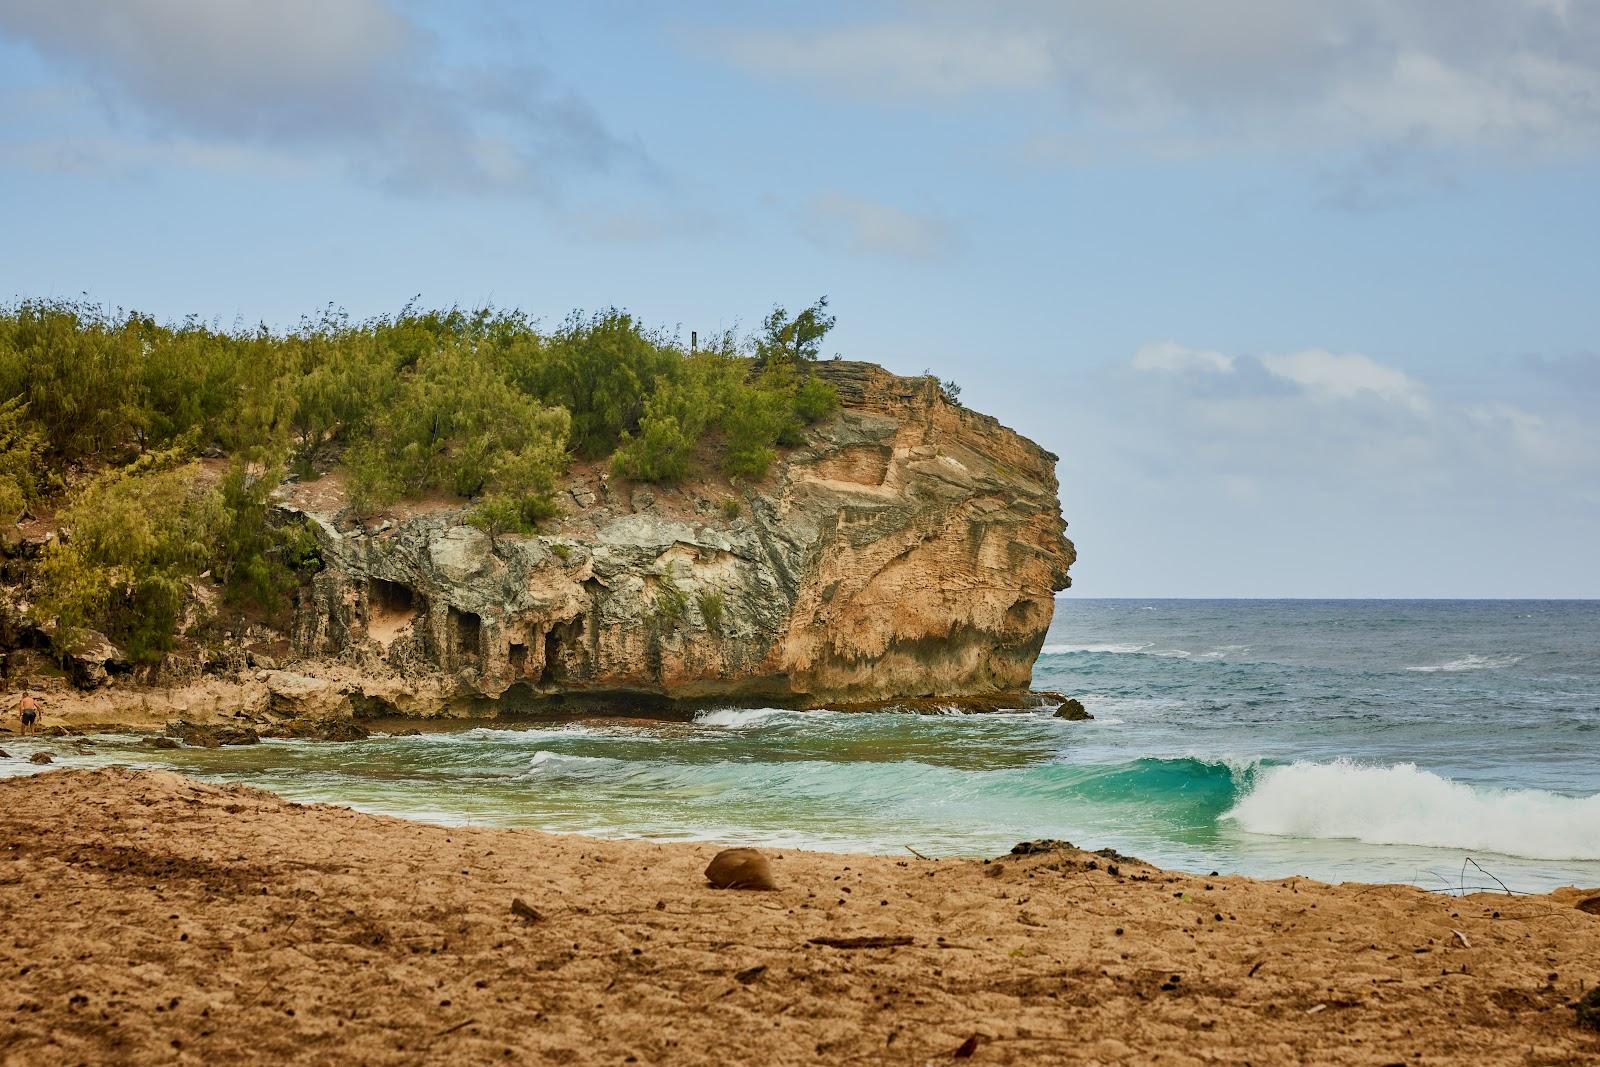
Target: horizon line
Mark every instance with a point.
(1167, 596)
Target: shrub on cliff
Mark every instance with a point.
(133, 536)
(20, 471)
(786, 338)
(715, 392)
(257, 560)
(458, 427)
(602, 369)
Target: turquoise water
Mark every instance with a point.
(1346, 740)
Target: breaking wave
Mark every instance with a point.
(1406, 805)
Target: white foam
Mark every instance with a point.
(1405, 805)
(545, 759)
(1122, 649)
(1470, 662)
(741, 718)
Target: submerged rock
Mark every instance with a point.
(320, 730)
(1072, 709)
(201, 736)
(42, 757)
(740, 868)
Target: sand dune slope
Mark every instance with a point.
(151, 919)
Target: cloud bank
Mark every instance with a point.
(1173, 76)
(356, 82)
(1349, 420)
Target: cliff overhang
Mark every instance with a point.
(908, 552)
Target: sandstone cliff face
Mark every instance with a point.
(910, 550)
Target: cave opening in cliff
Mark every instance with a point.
(467, 629)
(556, 641)
(518, 655)
(390, 608)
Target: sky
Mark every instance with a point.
(1306, 296)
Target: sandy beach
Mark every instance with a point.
(154, 919)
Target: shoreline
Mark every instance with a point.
(179, 921)
(338, 693)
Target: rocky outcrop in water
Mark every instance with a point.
(909, 551)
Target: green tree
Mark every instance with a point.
(257, 560)
(133, 536)
(677, 416)
(20, 449)
(796, 339)
(601, 368)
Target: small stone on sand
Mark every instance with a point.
(740, 868)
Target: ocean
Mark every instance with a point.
(1449, 744)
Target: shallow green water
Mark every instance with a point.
(1344, 740)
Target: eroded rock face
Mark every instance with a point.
(910, 550)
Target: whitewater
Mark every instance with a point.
(1447, 744)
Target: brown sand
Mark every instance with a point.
(151, 919)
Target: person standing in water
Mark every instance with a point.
(28, 710)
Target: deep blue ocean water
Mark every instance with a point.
(1345, 740)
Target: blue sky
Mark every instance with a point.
(1303, 294)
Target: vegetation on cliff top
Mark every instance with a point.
(478, 403)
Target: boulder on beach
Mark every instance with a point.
(94, 659)
(740, 868)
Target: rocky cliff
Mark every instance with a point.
(909, 550)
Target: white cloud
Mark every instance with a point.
(1344, 377)
(908, 59)
(1253, 75)
(1173, 358)
(842, 222)
(1266, 423)
(354, 82)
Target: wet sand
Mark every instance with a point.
(153, 919)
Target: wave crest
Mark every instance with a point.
(1405, 805)
(740, 718)
(1469, 662)
(1094, 646)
